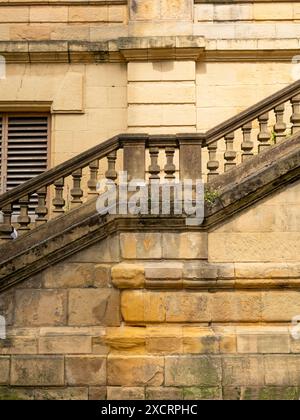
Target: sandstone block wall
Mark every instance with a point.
(102, 20)
(87, 103)
(90, 103)
(164, 315)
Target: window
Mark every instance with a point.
(23, 148)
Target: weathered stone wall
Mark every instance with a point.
(61, 21)
(81, 20)
(158, 85)
(164, 315)
(156, 315)
(88, 103)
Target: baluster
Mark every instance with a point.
(247, 144)
(76, 191)
(295, 118)
(41, 210)
(24, 219)
(170, 167)
(264, 134)
(280, 126)
(6, 228)
(58, 201)
(154, 168)
(213, 163)
(230, 154)
(111, 172)
(92, 182)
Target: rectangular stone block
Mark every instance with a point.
(65, 344)
(72, 99)
(269, 340)
(161, 115)
(225, 31)
(280, 306)
(282, 370)
(140, 10)
(128, 276)
(266, 393)
(239, 370)
(294, 341)
(200, 341)
(296, 11)
(267, 11)
(164, 393)
(193, 371)
(133, 306)
(135, 371)
(190, 245)
(282, 247)
(86, 370)
(106, 74)
(141, 245)
(204, 12)
(12, 14)
(162, 93)
(125, 393)
(233, 12)
(228, 343)
(267, 271)
(37, 371)
(62, 394)
(117, 14)
(164, 345)
(164, 271)
(187, 307)
(75, 275)
(40, 14)
(202, 393)
(40, 308)
(88, 13)
(97, 393)
(8, 393)
(94, 307)
(161, 71)
(4, 370)
(176, 10)
(19, 345)
(236, 306)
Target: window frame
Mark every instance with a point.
(4, 116)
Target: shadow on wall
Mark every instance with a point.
(168, 66)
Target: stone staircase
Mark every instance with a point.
(132, 306)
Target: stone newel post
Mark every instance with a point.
(134, 156)
(190, 147)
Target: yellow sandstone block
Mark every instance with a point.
(48, 14)
(267, 11)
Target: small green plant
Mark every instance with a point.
(211, 196)
(273, 137)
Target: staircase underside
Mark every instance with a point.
(235, 191)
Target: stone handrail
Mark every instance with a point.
(243, 124)
(81, 174)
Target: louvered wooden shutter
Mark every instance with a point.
(24, 146)
(1, 157)
(26, 149)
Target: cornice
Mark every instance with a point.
(194, 48)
